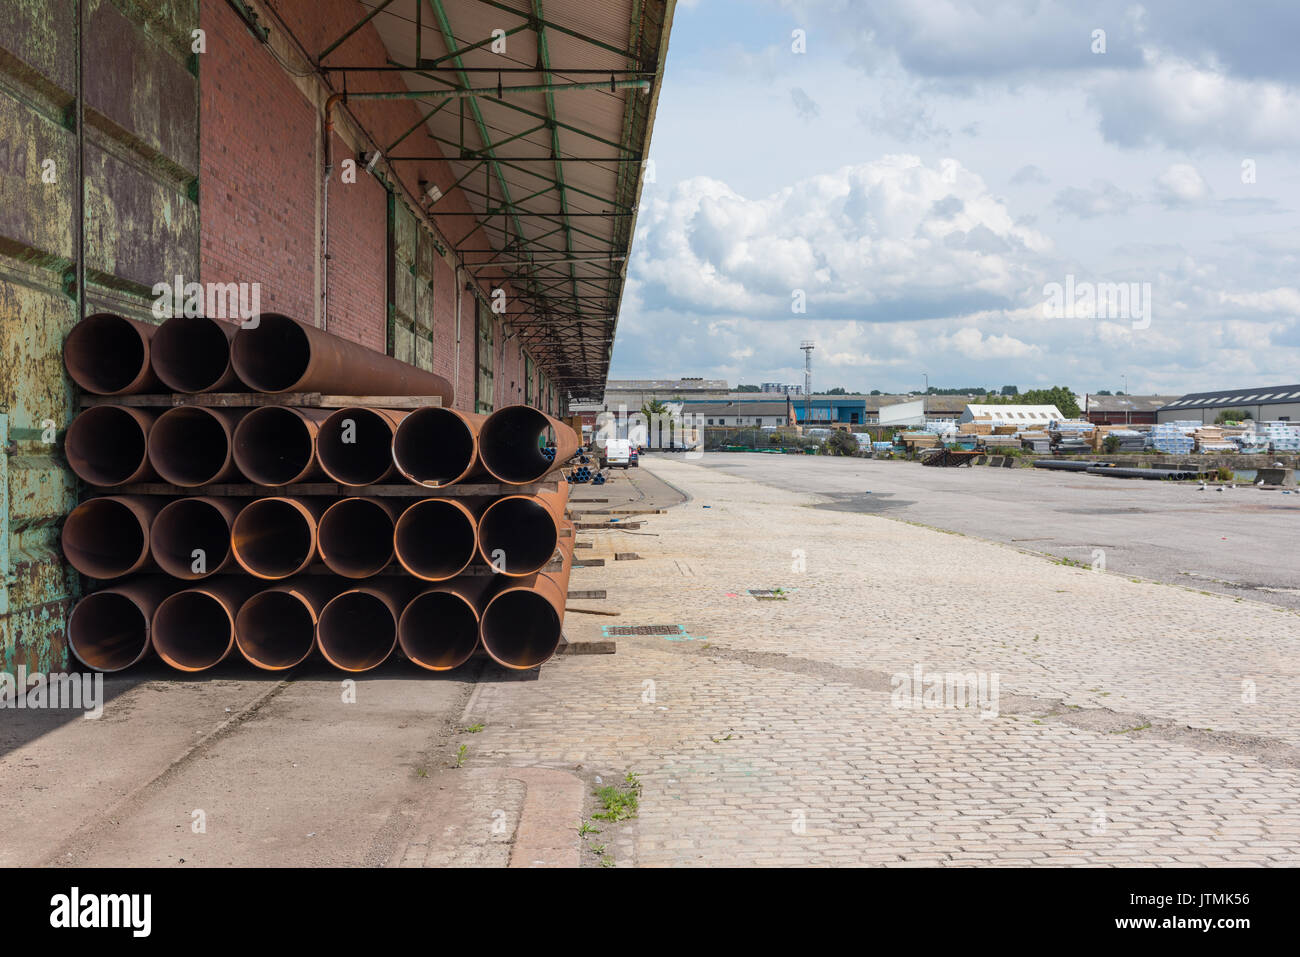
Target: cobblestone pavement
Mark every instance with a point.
(1130, 722)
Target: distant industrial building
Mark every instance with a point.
(634, 393)
(1024, 416)
(1124, 409)
(754, 413)
(1281, 403)
(779, 388)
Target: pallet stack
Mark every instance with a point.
(256, 510)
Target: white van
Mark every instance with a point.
(617, 452)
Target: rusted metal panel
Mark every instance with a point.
(141, 152)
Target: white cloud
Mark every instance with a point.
(1181, 185)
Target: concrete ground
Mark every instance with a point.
(1130, 723)
(1238, 542)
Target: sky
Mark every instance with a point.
(1027, 192)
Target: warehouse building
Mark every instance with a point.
(1272, 403)
(634, 393)
(1124, 409)
(451, 182)
(753, 413)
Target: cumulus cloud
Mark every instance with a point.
(890, 239)
(1029, 175)
(1181, 185)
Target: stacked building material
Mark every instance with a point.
(1211, 438)
(1281, 436)
(329, 504)
(1174, 438)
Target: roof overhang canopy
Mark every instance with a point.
(543, 110)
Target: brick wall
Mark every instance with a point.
(260, 186)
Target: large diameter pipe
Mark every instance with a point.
(194, 629)
(276, 445)
(191, 536)
(436, 447)
(275, 537)
(280, 354)
(510, 444)
(109, 630)
(276, 628)
(357, 630)
(438, 629)
(522, 624)
(108, 537)
(190, 445)
(108, 445)
(518, 534)
(108, 354)
(355, 536)
(192, 354)
(355, 446)
(435, 538)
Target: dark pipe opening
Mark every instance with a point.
(272, 356)
(355, 538)
(438, 630)
(434, 539)
(363, 460)
(519, 531)
(520, 629)
(183, 526)
(104, 354)
(508, 445)
(105, 445)
(192, 631)
(356, 631)
(104, 539)
(275, 630)
(190, 353)
(188, 446)
(433, 445)
(107, 631)
(272, 538)
(272, 445)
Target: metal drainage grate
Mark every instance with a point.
(766, 594)
(623, 630)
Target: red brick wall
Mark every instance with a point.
(257, 170)
(259, 186)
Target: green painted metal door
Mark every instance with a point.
(484, 382)
(410, 286)
(140, 159)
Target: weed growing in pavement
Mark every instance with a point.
(473, 728)
(619, 801)
(460, 755)
(586, 827)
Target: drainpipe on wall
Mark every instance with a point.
(325, 207)
(459, 295)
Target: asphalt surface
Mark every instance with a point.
(1239, 542)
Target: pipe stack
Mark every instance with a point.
(285, 528)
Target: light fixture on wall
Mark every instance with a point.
(431, 192)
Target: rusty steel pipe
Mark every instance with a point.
(436, 447)
(192, 354)
(438, 629)
(108, 537)
(508, 444)
(276, 445)
(280, 354)
(109, 630)
(276, 628)
(275, 537)
(435, 538)
(357, 630)
(355, 536)
(108, 445)
(355, 446)
(194, 629)
(108, 354)
(199, 523)
(518, 534)
(190, 445)
(522, 622)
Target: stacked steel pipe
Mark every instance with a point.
(285, 530)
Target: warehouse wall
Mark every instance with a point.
(141, 227)
(263, 203)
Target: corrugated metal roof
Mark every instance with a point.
(553, 176)
(1226, 398)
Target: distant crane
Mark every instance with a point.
(807, 346)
